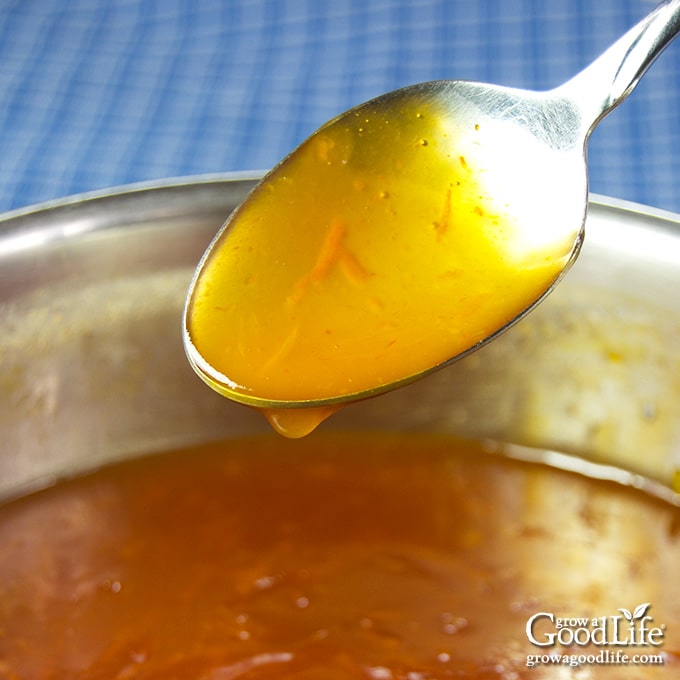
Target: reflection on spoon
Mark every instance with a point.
(401, 236)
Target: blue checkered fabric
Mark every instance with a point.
(97, 93)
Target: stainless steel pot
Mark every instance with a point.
(92, 367)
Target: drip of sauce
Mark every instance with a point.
(379, 249)
(299, 422)
(339, 556)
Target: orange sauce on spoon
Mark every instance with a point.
(376, 251)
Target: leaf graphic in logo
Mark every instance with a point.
(640, 611)
(627, 614)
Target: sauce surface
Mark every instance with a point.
(383, 247)
(346, 557)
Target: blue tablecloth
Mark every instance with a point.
(97, 93)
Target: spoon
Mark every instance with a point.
(401, 236)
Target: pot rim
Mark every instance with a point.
(181, 181)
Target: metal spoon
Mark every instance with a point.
(521, 158)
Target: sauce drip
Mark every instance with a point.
(397, 556)
(379, 249)
(296, 423)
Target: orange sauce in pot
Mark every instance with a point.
(394, 557)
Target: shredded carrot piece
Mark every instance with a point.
(442, 226)
(280, 354)
(332, 252)
(324, 146)
(352, 268)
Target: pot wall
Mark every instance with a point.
(92, 368)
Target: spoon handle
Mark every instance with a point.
(616, 72)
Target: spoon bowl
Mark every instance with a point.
(401, 236)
